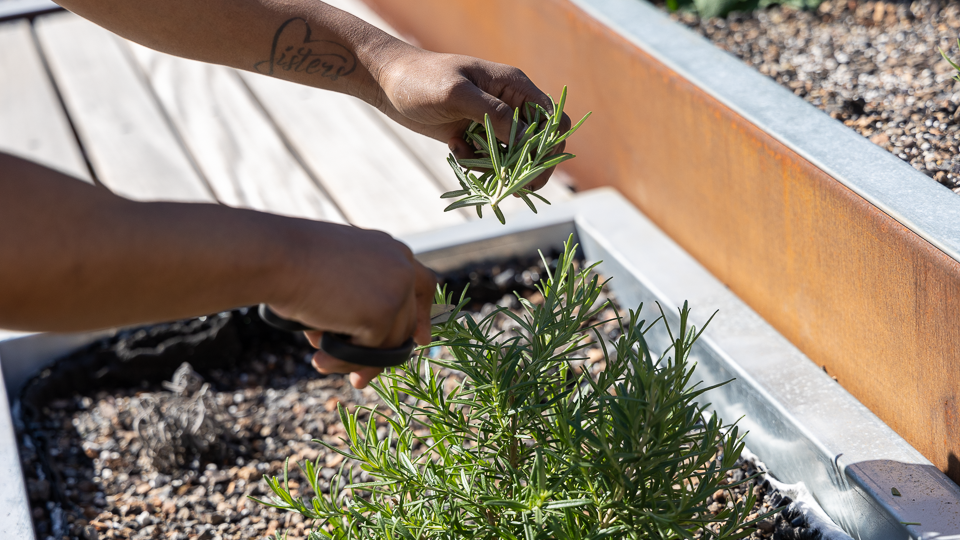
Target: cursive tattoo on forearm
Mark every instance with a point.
(293, 50)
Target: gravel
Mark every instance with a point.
(873, 65)
(174, 451)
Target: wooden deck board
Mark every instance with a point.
(156, 127)
(231, 138)
(130, 144)
(33, 123)
(370, 175)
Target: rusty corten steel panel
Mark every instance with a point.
(852, 288)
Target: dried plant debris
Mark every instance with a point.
(181, 425)
(90, 475)
(875, 66)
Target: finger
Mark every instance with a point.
(539, 181)
(314, 336)
(517, 89)
(360, 376)
(360, 379)
(395, 316)
(475, 104)
(460, 148)
(425, 287)
(404, 323)
(329, 365)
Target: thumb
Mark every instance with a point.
(479, 103)
(362, 377)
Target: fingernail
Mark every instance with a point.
(522, 128)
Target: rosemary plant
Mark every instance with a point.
(956, 76)
(528, 447)
(507, 168)
(721, 8)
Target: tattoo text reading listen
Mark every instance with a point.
(294, 51)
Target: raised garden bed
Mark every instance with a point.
(851, 253)
(99, 464)
(798, 418)
(875, 66)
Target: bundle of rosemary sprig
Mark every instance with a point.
(527, 447)
(507, 168)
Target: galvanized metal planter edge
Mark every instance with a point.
(918, 202)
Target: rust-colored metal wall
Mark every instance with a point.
(852, 288)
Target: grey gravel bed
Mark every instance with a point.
(176, 459)
(872, 65)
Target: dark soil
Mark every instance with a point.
(873, 65)
(111, 449)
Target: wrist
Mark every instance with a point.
(238, 257)
(384, 59)
(288, 246)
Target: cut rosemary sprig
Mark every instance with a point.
(508, 168)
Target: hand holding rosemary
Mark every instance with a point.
(507, 168)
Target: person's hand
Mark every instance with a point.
(364, 284)
(439, 95)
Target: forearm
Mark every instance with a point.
(312, 43)
(305, 41)
(74, 256)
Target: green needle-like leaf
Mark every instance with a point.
(508, 167)
(476, 163)
(513, 130)
(454, 194)
(493, 145)
(951, 62)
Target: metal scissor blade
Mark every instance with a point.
(440, 313)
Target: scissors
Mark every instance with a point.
(339, 346)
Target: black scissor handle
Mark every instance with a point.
(339, 346)
(270, 317)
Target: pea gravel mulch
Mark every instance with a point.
(872, 65)
(125, 440)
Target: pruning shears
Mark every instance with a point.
(339, 346)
